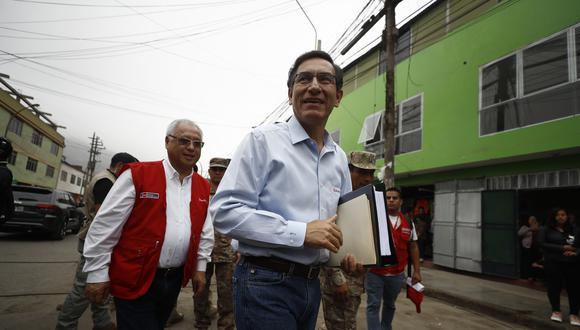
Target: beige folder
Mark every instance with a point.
(355, 222)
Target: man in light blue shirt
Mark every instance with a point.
(279, 198)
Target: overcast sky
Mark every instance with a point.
(125, 69)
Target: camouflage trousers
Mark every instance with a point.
(224, 272)
(76, 303)
(341, 314)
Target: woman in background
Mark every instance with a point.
(561, 264)
(527, 234)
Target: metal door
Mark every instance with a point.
(499, 237)
(457, 225)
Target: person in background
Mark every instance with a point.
(152, 234)
(6, 196)
(76, 302)
(222, 263)
(341, 292)
(561, 264)
(422, 224)
(526, 233)
(385, 283)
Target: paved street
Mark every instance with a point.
(36, 274)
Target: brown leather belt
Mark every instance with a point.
(284, 266)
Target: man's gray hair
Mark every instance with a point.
(173, 126)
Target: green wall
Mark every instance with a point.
(447, 73)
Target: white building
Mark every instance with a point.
(71, 179)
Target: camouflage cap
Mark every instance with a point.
(219, 162)
(362, 159)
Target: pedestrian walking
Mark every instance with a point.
(76, 302)
(222, 264)
(561, 264)
(341, 292)
(279, 199)
(151, 235)
(385, 283)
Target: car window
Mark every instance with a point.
(32, 196)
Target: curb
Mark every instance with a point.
(525, 318)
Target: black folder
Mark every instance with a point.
(358, 219)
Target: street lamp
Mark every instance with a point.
(316, 41)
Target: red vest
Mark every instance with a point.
(135, 257)
(401, 237)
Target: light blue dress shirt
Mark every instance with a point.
(275, 184)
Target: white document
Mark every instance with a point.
(382, 220)
(355, 222)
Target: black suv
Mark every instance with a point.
(46, 210)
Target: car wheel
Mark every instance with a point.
(60, 233)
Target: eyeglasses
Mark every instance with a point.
(306, 78)
(186, 142)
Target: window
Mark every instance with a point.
(73, 178)
(54, 148)
(15, 126)
(36, 138)
(499, 82)
(546, 64)
(31, 164)
(531, 86)
(408, 136)
(336, 136)
(63, 176)
(12, 158)
(49, 171)
(79, 181)
(408, 128)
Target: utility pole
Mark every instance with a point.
(389, 37)
(96, 147)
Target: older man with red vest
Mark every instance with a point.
(151, 234)
(385, 283)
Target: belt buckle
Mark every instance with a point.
(167, 271)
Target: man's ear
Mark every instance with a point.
(290, 96)
(339, 94)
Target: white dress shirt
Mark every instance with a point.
(107, 226)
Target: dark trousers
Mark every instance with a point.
(559, 274)
(151, 311)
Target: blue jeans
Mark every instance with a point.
(265, 299)
(386, 288)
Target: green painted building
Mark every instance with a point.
(488, 121)
(38, 147)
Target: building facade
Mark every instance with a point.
(71, 179)
(487, 96)
(38, 147)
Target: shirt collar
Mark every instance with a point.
(170, 172)
(298, 134)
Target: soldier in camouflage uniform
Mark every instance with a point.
(222, 263)
(341, 293)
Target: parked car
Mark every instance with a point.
(44, 210)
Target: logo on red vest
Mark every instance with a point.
(149, 195)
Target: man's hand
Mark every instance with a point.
(350, 266)
(323, 234)
(416, 277)
(341, 292)
(97, 293)
(198, 282)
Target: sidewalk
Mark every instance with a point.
(509, 300)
